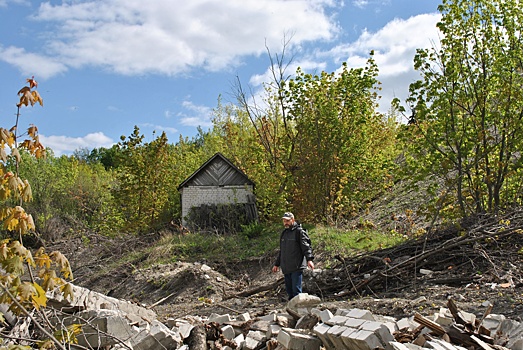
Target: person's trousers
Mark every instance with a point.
(293, 283)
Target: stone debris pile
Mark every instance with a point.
(111, 323)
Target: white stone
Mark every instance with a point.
(228, 332)
(220, 319)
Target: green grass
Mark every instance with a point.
(260, 241)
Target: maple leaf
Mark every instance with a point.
(13, 265)
(26, 97)
(39, 299)
(32, 130)
(37, 98)
(25, 291)
(50, 281)
(62, 261)
(3, 154)
(15, 153)
(27, 193)
(32, 82)
(67, 291)
(4, 251)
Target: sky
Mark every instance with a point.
(105, 66)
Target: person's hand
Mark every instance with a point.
(310, 264)
(275, 269)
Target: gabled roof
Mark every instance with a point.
(217, 171)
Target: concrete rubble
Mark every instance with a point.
(303, 324)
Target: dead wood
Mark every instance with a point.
(466, 250)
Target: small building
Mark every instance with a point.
(218, 196)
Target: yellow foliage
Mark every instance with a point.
(15, 153)
(27, 193)
(70, 334)
(67, 291)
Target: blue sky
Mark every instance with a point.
(105, 66)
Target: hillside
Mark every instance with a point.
(476, 265)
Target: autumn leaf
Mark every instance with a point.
(26, 291)
(49, 282)
(26, 97)
(32, 82)
(13, 265)
(3, 154)
(15, 153)
(37, 98)
(67, 291)
(62, 261)
(27, 193)
(39, 299)
(32, 130)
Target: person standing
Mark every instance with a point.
(294, 256)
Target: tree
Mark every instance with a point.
(25, 296)
(143, 174)
(328, 148)
(342, 142)
(466, 127)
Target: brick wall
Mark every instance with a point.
(195, 196)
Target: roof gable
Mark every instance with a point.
(217, 171)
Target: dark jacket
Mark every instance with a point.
(295, 250)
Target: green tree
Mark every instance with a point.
(466, 127)
(327, 148)
(341, 141)
(143, 175)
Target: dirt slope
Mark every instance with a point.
(477, 265)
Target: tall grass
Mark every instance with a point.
(261, 241)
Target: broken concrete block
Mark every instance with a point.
(345, 338)
(379, 329)
(337, 320)
(254, 339)
(220, 319)
(307, 322)
(243, 317)
(228, 332)
(443, 319)
(492, 322)
(303, 300)
(362, 314)
(320, 330)
(100, 328)
(185, 329)
(158, 336)
(364, 340)
(406, 324)
(273, 330)
(354, 322)
(269, 318)
(286, 320)
(85, 299)
(334, 334)
(467, 317)
(298, 341)
(324, 315)
(261, 325)
(239, 340)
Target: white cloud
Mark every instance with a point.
(133, 37)
(31, 63)
(195, 115)
(394, 48)
(67, 145)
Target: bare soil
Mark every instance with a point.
(477, 264)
